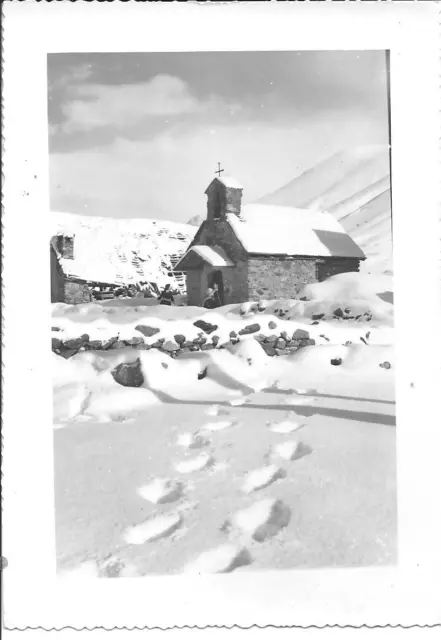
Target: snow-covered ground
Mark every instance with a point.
(228, 459)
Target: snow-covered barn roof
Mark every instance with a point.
(122, 251)
(192, 259)
(275, 230)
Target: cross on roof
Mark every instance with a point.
(219, 170)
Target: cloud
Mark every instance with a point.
(98, 105)
(74, 75)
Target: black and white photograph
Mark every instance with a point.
(222, 311)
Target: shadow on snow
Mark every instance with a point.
(344, 414)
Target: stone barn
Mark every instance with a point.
(258, 251)
(64, 288)
(57, 277)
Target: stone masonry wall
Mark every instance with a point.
(219, 232)
(57, 278)
(235, 283)
(222, 200)
(333, 266)
(75, 293)
(193, 287)
(270, 278)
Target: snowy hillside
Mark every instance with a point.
(196, 221)
(353, 185)
(126, 251)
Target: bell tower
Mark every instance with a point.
(224, 196)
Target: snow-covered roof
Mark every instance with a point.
(215, 256)
(271, 229)
(227, 181)
(123, 251)
(230, 182)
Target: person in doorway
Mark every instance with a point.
(166, 296)
(212, 300)
(217, 296)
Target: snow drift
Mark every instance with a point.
(85, 389)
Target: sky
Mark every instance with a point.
(134, 135)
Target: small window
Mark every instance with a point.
(217, 206)
(65, 247)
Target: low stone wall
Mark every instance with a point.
(76, 293)
(275, 343)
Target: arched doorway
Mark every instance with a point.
(216, 279)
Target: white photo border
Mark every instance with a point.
(407, 594)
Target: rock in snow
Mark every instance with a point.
(251, 328)
(170, 345)
(205, 326)
(300, 334)
(146, 331)
(195, 464)
(161, 490)
(222, 559)
(260, 478)
(152, 529)
(262, 520)
(128, 374)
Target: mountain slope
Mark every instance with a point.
(196, 221)
(354, 186)
(123, 251)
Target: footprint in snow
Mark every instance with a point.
(260, 521)
(156, 527)
(161, 490)
(223, 559)
(263, 477)
(288, 425)
(290, 450)
(192, 441)
(199, 463)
